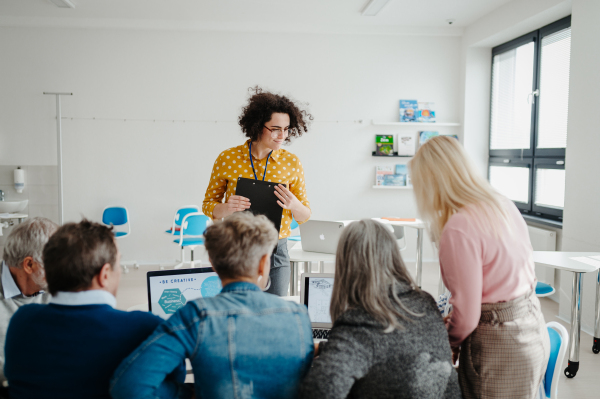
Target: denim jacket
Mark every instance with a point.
(242, 343)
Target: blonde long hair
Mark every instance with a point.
(445, 181)
(368, 271)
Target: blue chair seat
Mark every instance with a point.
(177, 231)
(190, 241)
(543, 289)
(120, 233)
(294, 238)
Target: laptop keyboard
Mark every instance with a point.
(319, 333)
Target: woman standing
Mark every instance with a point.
(268, 121)
(486, 261)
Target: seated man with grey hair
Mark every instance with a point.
(70, 347)
(241, 343)
(22, 279)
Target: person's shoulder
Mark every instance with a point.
(289, 157)
(233, 152)
(284, 303)
(28, 312)
(141, 320)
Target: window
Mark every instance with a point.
(528, 119)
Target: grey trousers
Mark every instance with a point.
(507, 354)
(280, 270)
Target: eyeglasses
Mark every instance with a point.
(278, 131)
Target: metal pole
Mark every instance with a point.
(419, 256)
(596, 346)
(293, 280)
(574, 337)
(59, 154)
(59, 161)
(441, 286)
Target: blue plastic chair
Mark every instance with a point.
(559, 340)
(543, 289)
(294, 225)
(193, 226)
(178, 218)
(118, 216)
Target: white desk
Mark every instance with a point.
(297, 256)
(420, 226)
(564, 261)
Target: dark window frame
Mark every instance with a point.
(534, 157)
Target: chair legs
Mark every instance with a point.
(179, 265)
(192, 262)
(126, 270)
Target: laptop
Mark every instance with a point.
(320, 236)
(170, 290)
(315, 293)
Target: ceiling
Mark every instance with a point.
(336, 16)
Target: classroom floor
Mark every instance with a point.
(586, 385)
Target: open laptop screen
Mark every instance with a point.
(317, 297)
(170, 290)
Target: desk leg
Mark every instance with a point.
(321, 266)
(293, 278)
(419, 256)
(596, 347)
(441, 286)
(573, 363)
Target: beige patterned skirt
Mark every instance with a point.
(507, 354)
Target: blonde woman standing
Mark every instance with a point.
(486, 261)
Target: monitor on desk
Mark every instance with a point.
(170, 290)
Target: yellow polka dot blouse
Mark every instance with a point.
(283, 167)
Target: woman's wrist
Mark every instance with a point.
(300, 212)
(220, 211)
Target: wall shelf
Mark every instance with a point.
(393, 187)
(416, 124)
(374, 153)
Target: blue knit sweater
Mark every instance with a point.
(57, 351)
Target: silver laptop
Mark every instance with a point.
(320, 236)
(315, 293)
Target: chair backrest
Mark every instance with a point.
(194, 224)
(182, 212)
(559, 339)
(398, 232)
(294, 224)
(115, 216)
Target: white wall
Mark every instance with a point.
(581, 216)
(202, 77)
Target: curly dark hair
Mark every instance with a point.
(262, 105)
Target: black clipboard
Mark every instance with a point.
(263, 200)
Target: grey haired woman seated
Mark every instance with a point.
(388, 338)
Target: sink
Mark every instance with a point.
(12, 206)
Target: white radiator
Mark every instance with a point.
(543, 240)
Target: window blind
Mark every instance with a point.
(512, 84)
(554, 90)
(512, 182)
(550, 188)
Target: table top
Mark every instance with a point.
(13, 215)
(417, 224)
(564, 261)
(298, 255)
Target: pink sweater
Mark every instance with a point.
(478, 268)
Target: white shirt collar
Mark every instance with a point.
(11, 289)
(91, 297)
